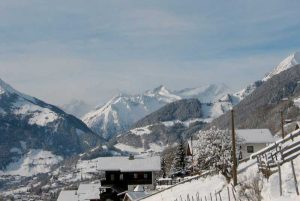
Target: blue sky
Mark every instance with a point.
(92, 50)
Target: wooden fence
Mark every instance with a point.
(280, 152)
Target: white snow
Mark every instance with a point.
(124, 164)
(202, 186)
(34, 162)
(39, 115)
(141, 131)
(131, 149)
(67, 196)
(186, 123)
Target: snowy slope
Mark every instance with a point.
(287, 63)
(122, 111)
(249, 178)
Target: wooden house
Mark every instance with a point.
(125, 173)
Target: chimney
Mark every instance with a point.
(131, 157)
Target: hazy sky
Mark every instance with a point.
(92, 50)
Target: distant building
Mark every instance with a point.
(85, 192)
(125, 173)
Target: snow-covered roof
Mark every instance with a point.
(88, 191)
(84, 192)
(255, 135)
(67, 196)
(123, 164)
(139, 188)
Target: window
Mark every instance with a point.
(250, 149)
(145, 176)
(135, 175)
(112, 177)
(121, 177)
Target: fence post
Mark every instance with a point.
(280, 181)
(233, 194)
(228, 193)
(220, 196)
(295, 178)
(216, 195)
(210, 197)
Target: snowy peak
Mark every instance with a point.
(206, 94)
(162, 94)
(290, 61)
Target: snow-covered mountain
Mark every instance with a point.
(287, 63)
(27, 123)
(121, 112)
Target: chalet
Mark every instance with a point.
(85, 192)
(125, 173)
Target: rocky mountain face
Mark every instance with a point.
(27, 123)
(278, 91)
(181, 110)
(121, 112)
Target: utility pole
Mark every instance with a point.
(234, 161)
(192, 152)
(282, 129)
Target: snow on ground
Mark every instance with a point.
(247, 173)
(131, 149)
(271, 187)
(40, 116)
(34, 162)
(153, 147)
(201, 186)
(186, 123)
(141, 131)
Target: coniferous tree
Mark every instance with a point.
(180, 157)
(163, 168)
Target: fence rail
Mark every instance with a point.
(280, 152)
